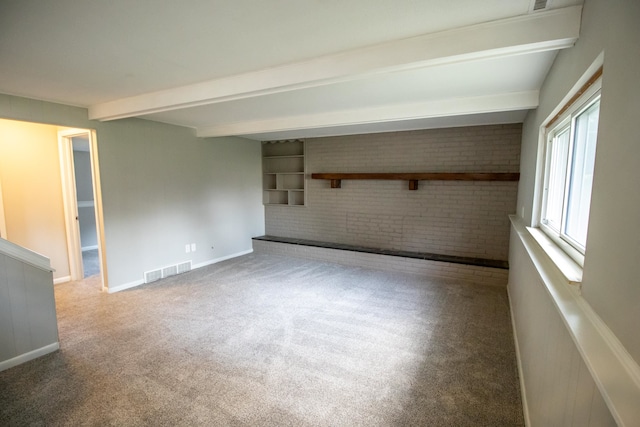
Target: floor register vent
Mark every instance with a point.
(540, 4)
(171, 270)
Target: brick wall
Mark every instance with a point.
(444, 217)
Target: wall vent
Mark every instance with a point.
(172, 270)
(540, 4)
(183, 267)
(152, 276)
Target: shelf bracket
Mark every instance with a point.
(413, 184)
(336, 183)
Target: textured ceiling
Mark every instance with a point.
(308, 60)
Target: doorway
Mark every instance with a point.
(3, 224)
(81, 196)
(86, 205)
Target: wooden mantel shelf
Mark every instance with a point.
(413, 178)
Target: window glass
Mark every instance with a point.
(558, 149)
(581, 177)
(568, 178)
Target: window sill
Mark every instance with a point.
(567, 266)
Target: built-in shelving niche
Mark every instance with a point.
(283, 169)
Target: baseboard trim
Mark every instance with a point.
(114, 289)
(89, 248)
(59, 280)
(34, 354)
(224, 258)
(523, 389)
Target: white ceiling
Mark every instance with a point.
(286, 68)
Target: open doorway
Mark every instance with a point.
(86, 205)
(34, 166)
(81, 196)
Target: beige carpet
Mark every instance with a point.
(263, 340)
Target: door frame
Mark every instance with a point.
(74, 248)
(3, 223)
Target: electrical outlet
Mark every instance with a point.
(193, 247)
(187, 248)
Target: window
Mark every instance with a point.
(568, 176)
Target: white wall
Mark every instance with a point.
(558, 388)
(610, 281)
(163, 188)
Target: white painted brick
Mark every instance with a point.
(455, 218)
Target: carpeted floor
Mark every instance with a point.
(263, 340)
(90, 262)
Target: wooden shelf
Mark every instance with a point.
(413, 178)
(297, 156)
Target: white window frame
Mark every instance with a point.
(567, 119)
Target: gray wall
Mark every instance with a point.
(28, 326)
(163, 188)
(610, 280)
